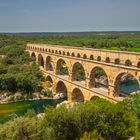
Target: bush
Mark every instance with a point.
(91, 136)
(8, 82)
(47, 93)
(112, 121)
(132, 104)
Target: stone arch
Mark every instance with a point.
(40, 60)
(125, 83)
(78, 72)
(93, 98)
(49, 66)
(49, 81)
(63, 52)
(46, 50)
(91, 57)
(49, 50)
(99, 58)
(107, 60)
(84, 56)
(52, 51)
(78, 55)
(68, 54)
(61, 89)
(128, 63)
(77, 95)
(61, 67)
(59, 52)
(33, 56)
(43, 49)
(56, 51)
(138, 65)
(117, 61)
(73, 55)
(98, 78)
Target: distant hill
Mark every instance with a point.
(70, 33)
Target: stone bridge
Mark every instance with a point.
(115, 65)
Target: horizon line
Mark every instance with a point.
(96, 31)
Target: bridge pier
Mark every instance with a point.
(111, 91)
(69, 97)
(54, 88)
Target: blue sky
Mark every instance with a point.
(69, 15)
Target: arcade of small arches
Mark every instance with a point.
(115, 61)
(96, 78)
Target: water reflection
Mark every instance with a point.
(129, 86)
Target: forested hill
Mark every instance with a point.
(124, 41)
(71, 33)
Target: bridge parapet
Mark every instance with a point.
(131, 59)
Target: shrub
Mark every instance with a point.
(91, 136)
(112, 121)
(47, 93)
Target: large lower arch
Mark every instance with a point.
(61, 67)
(61, 89)
(33, 56)
(93, 98)
(40, 60)
(49, 66)
(98, 78)
(77, 95)
(125, 83)
(49, 81)
(78, 72)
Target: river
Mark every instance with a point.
(7, 111)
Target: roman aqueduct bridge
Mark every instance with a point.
(114, 63)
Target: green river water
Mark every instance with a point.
(7, 111)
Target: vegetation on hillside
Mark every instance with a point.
(18, 72)
(15, 64)
(120, 41)
(99, 119)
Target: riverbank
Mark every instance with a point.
(35, 99)
(6, 98)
